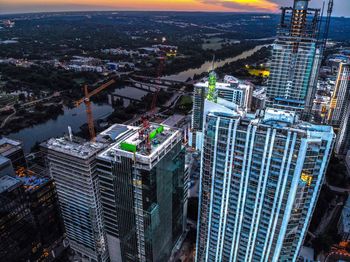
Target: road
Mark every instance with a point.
(327, 219)
(56, 94)
(336, 255)
(8, 118)
(338, 189)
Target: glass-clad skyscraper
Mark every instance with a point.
(260, 179)
(143, 195)
(295, 58)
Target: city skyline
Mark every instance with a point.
(263, 6)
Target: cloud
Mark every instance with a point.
(245, 5)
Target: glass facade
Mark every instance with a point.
(260, 179)
(234, 95)
(290, 74)
(295, 59)
(343, 139)
(143, 208)
(341, 96)
(30, 221)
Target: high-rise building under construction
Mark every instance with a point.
(296, 58)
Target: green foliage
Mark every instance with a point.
(184, 105)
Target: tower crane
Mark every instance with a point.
(159, 74)
(144, 131)
(87, 102)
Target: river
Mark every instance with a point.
(76, 117)
(207, 66)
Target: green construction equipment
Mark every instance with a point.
(128, 147)
(155, 132)
(212, 87)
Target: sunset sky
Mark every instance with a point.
(342, 7)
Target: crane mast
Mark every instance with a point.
(86, 100)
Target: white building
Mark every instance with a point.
(72, 163)
(232, 93)
(260, 179)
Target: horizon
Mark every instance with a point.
(18, 7)
(154, 11)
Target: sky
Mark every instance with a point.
(341, 8)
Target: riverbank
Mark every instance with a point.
(76, 117)
(209, 65)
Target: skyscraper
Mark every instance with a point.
(260, 179)
(232, 93)
(72, 164)
(341, 96)
(342, 145)
(295, 59)
(142, 188)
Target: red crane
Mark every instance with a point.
(155, 95)
(144, 132)
(86, 100)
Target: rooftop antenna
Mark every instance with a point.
(70, 133)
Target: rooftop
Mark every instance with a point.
(4, 161)
(31, 180)
(229, 83)
(275, 118)
(133, 144)
(7, 182)
(8, 146)
(279, 116)
(76, 147)
(114, 133)
(222, 86)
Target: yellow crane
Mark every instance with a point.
(87, 102)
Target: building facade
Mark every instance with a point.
(231, 93)
(341, 96)
(347, 162)
(342, 145)
(13, 150)
(344, 222)
(72, 164)
(295, 58)
(31, 226)
(143, 193)
(260, 179)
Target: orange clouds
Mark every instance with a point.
(251, 5)
(181, 5)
